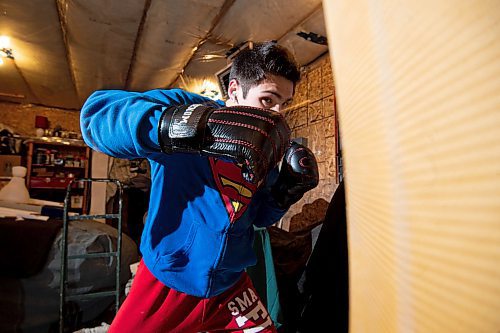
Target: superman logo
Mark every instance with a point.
(234, 190)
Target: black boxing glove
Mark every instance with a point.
(298, 174)
(256, 138)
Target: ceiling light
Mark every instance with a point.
(210, 89)
(4, 42)
(202, 86)
(5, 50)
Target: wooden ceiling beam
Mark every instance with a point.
(302, 21)
(137, 41)
(61, 14)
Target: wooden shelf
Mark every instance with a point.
(50, 181)
(56, 141)
(56, 166)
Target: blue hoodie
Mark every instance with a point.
(198, 234)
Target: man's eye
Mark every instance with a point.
(267, 102)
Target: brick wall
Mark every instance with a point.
(312, 115)
(21, 117)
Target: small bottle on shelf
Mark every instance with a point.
(83, 161)
(52, 156)
(68, 160)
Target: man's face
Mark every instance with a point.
(275, 93)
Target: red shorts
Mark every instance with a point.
(153, 307)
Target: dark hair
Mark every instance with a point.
(251, 66)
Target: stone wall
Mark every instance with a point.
(312, 116)
(21, 117)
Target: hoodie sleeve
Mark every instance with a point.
(124, 124)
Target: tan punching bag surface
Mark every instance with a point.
(418, 92)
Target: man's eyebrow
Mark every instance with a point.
(274, 93)
(278, 95)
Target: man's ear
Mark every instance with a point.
(232, 91)
(232, 88)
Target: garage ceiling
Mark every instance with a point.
(65, 49)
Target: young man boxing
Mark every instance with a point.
(214, 175)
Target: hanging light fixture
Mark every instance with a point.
(204, 86)
(5, 50)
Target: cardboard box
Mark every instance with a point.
(6, 164)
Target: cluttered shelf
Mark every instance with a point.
(52, 163)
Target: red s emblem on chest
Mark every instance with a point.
(234, 190)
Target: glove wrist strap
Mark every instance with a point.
(182, 128)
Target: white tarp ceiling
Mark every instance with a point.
(65, 49)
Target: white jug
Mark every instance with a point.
(15, 190)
